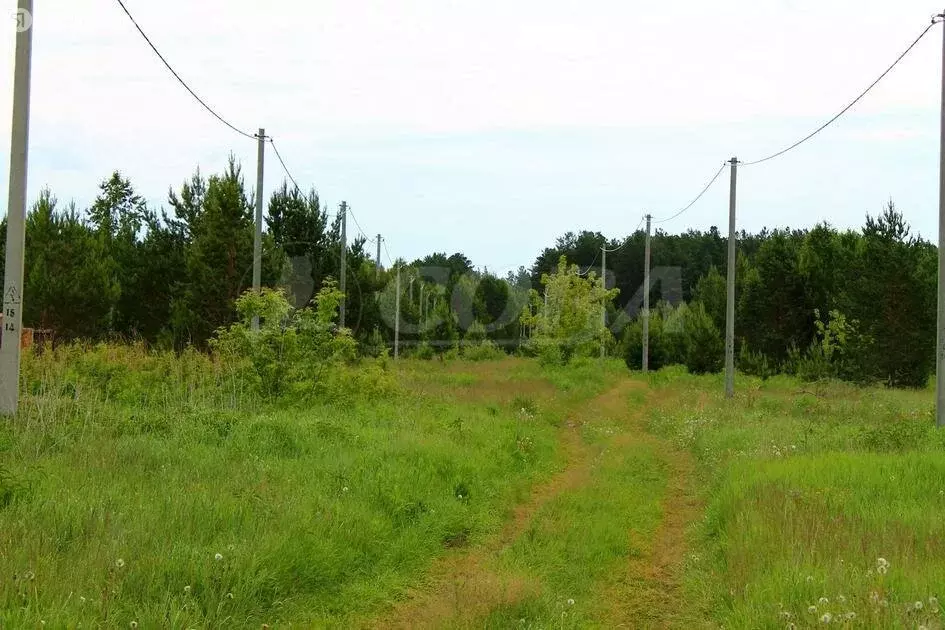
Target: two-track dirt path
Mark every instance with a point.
(464, 586)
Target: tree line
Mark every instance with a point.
(852, 304)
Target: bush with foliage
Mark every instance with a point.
(291, 346)
(754, 363)
(631, 343)
(477, 347)
(566, 323)
(685, 335)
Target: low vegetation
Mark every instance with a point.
(151, 489)
(824, 503)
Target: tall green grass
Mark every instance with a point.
(825, 503)
(156, 490)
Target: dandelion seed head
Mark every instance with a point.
(810, 578)
(812, 609)
(570, 602)
(823, 600)
(933, 600)
(133, 624)
(881, 569)
(119, 563)
(826, 618)
(842, 599)
(918, 605)
(218, 557)
(187, 588)
(882, 562)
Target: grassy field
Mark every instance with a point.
(824, 503)
(154, 491)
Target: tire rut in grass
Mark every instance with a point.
(464, 587)
(650, 594)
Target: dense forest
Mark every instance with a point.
(862, 301)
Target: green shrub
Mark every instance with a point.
(375, 345)
(290, 346)
(425, 351)
(631, 344)
(705, 350)
(754, 363)
(899, 434)
(484, 351)
(685, 335)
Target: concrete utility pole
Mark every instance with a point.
(730, 290)
(603, 308)
(940, 346)
(423, 320)
(342, 282)
(397, 320)
(257, 239)
(378, 268)
(646, 300)
(16, 214)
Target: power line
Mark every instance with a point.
(694, 201)
(389, 259)
(854, 102)
(627, 240)
(284, 167)
(591, 266)
(178, 77)
(369, 240)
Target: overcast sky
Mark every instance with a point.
(492, 127)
